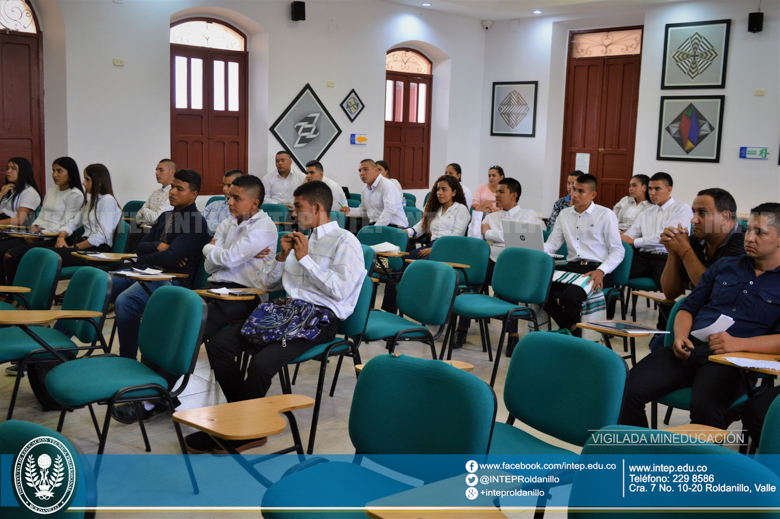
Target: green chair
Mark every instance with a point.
(413, 215)
(411, 200)
(619, 280)
(520, 277)
(425, 200)
(213, 199)
(170, 335)
(376, 234)
(39, 270)
(355, 196)
(351, 202)
(276, 294)
(587, 394)
(369, 256)
(469, 251)
(340, 218)
(25, 344)
(426, 293)
(277, 212)
(352, 329)
(118, 247)
(402, 406)
(646, 284)
(131, 208)
(15, 435)
(201, 276)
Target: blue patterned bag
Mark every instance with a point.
(284, 319)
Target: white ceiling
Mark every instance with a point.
(512, 9)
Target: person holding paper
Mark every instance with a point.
(486, 225)
(592, 238)
(381, 202)
(745, 289)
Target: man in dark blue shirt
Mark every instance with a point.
(745, 288)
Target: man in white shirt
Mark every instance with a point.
(280, 184)
(155, 205)
(327, 270)
(315, 171)
(593, 240)
(231, 258)
(486, 225)
(381, 201)
(217, 212)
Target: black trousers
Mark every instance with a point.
(715, 386)
(754, 412)
(226, 313)
(225, 349)
(566, 309)
(391, 292)
(649, 265)
(6, 246)
(135, 235)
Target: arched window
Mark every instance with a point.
(21, 61)
(408, 117)
(209, 99)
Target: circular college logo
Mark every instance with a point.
(44, 475)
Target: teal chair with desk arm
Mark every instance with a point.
(35, 281)
(131, 208)
(355, 196)
(376, 234)
(213, 199)
(340, 218)
(277, 212)
(351, 202)
(411, 200)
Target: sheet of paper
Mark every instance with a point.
(146, 276)
(220, 291)
(148, 271)
(582, 162)
(754, 363)
(385, 247)
(98, 256)
(723, 323)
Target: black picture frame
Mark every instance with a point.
(669, 64)
(350, 116)
(501, 123)
(671, 147)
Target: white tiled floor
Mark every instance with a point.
(332, 433)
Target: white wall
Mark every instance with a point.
(537, 51)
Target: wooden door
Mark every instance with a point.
(600, 121)
(408, 128)
(21, 94)
(209, 112)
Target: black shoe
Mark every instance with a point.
(199, 443)
(577, 332)
(12, 370)
(510, 345)
(125, 413)
(460, 339)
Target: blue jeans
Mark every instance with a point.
(129, 299)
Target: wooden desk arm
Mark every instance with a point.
(35, 317)
(13, 290)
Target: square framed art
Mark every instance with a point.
(513, 112)
(690, 128)
(352, 105)
(695, 55)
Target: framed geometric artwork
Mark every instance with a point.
(352, 105)
(513, 113)
(690, 128)
(695, 55)
(306, 129)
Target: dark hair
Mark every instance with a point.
(191, 177)
(644, 179)
(24, 178)
(316, 164)
(384, 165)
(722, 198)
(513, 186)
(770, 209)
(499, 169)
(589, 179)
(69, 165)
(101, 185)
(371, 161)
(170, 162)
(233, 173)
(433, 204)
(316, 192)
(456, 167)
(662, 177)
(252, 185)
(283, 152)
(576, 173)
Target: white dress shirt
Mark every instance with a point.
(339, 198)
(496, 231)
(467, 195)
(28, 198)
(591, 235)
(279, 190)
(215, 213)
(382, 203)
(232, 257)
(330, 275)
(453, 222)
(155, 205)
(627, 211)
(100, 225)
(648, 227)
(58, 207)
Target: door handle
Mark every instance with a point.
(602, 149)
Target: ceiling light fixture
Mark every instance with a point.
(537, 12)
(426, 5)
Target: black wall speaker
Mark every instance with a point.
(298, 11)
(755, 22)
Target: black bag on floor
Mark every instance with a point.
(37, 375)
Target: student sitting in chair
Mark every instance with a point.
(486, 225)
(155, 205)
(174, 245)
(326, 270)
(381, 202)
(280, 184)
(745, 288)
(315, 171)
(217, 212)
(592, 238)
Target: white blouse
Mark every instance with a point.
(28, 198)
(627, 211)
(58, 207)
(453, 222)
(98, 229)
